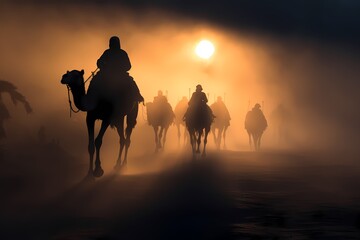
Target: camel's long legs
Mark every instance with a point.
(128, 132)
(160, 136)
(178, 133)
(185, 136)
(90, 123)
(224, 136)
(220, 132)
(213, 130)
(199, 141)
(259, 141)
(250, 140)
(192, 140)
(120, 131)
(157, 142)
(164, 138)
(130, 124)
(205, 142)
(98, 172)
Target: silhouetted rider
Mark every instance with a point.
(159, 106)
(255, 119)
(160, 98)
(220, 110)
(198, 99)
(114, 65)
(114, 61)
(256, 109)
(161, 102)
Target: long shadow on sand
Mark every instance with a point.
(230, 195)
(185, 202)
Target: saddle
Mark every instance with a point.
(200, 115)
(108, 88)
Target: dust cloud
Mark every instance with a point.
(308, 91)
(312, 81)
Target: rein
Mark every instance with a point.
(91, 75)
(70, 103)
(68, 88)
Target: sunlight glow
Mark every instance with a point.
(205, 49)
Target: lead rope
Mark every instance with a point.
(70, 103)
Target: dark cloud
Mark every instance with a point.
(326, 20)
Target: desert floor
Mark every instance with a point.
(227, 195)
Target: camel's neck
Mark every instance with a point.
(80, 99)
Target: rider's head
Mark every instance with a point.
(160, 93)
(219, 99)
(114, 42)
(257, 106)
(199, 88)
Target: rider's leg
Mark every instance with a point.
(136, 92)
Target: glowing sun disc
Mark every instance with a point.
(205, 49)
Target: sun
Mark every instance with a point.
(205, 49)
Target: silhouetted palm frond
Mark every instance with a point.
(16, 97)
(6, 86)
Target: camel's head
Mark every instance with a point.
(73, 77)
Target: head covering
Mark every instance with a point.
(160, 93)
(114, 42)
(199, 87)
(257, 106)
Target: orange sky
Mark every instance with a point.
(246, 67)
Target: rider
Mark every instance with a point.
(114, 64)
(255, 118)
(160, 98)
(198, 99)
(220, 109)
(159, 106)
(256, 109)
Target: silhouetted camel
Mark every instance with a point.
(7, 87)
(221, 122)
(179, 111)
(198, 122)
(160, 116)
(109, 104)
(255, 125)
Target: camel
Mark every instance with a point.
(7, 87)
(160, 116)
(218, 129)
(221, 122)
(255, 125)
(198, 123)
(179, 111)
(108, 104)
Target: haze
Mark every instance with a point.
(316, 81)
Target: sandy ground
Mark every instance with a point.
(228, 195)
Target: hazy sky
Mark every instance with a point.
(303, 54)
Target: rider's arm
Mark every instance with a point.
(102, 60)
(191, 101)
(126, 62)
(204, 98)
